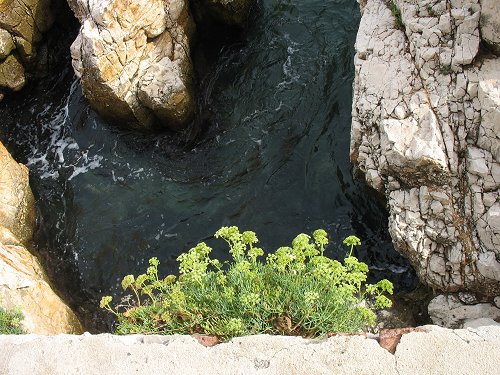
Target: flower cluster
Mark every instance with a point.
(296, 290)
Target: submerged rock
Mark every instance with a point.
(22, 24)
(23, 283)
(425, 132)
(134, 61)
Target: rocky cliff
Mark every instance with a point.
(23, 283)
(425, 133)
(134, 59)
(22, 24)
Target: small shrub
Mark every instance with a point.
(445, 69)
(10, 322)
(431, 11)
(296, 290)
(396, 13)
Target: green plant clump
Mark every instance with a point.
(396, 13)
(10, 322)
(296, 290)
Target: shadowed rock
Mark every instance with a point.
(133, 58)
(23, 283)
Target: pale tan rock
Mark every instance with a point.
(17, 210)
(432, 350)
(6, 44)
(23, 284)
(133, 58)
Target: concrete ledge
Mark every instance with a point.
(437, 351)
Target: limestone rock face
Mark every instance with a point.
(22, 24)
(425, 133)
(133, 58)
(23, 283)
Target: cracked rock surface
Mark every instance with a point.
(22, 24)
(425, 133)
(23, 284)
(133, 58)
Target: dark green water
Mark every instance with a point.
(272, 157)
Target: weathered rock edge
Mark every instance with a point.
(134, 60)
(439, 350)
(23, 283)
(425, 133)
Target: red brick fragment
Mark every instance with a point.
(206, 340)
(390, 338)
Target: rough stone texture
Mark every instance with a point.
(6, 44)
(230, 12)
(17, 205)
(23, 283)
(449, 311)
(22, 24)
(436, 351)
(425, 132)
(442, 351)
(134, 61)
(490, 24)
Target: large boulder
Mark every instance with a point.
(133, 58)
(22, 24)
(23, 283)
(425, 133)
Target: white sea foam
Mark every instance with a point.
(390, 267)
(291, 75)
(62, 151)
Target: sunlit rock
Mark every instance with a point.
(23, 283)
(425, 132)
(133, 58)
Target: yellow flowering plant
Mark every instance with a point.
(295, 290)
